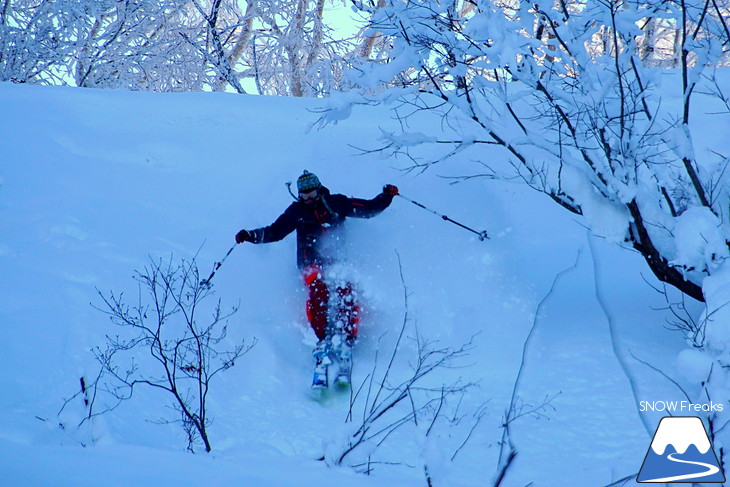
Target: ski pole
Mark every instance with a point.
(206, 282)
(482, 235)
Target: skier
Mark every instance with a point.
(317, 217)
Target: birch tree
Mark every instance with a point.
(264, 46)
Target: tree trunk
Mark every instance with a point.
(243, 39)
(659, 265)
(367, 47)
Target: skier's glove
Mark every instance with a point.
(244, 236)
(390, 190)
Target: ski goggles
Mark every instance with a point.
(311, 195)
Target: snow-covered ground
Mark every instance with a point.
(94, 183)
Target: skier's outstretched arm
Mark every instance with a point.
(361, 208)
(283, 226)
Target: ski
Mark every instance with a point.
(321, 365)
(342, 381)
(337, 352)
(344, 361)
(319, 379)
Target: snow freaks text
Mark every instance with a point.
(679, 407)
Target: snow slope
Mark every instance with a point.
(94, 183)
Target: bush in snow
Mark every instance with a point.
(173, 341)
(393, 396)
(384, 404)
(388, 400)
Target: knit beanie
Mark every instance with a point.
(308, 182)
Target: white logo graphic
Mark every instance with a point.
(680, 452)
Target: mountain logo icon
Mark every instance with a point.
(680, 452)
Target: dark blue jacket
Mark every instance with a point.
(315, 222)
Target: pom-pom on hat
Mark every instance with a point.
(308, 182)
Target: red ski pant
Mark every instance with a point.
(328, 316)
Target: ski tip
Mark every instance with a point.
(342, 383)
(320, 381)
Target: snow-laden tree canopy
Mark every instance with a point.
(265, 46)
(570, 93)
